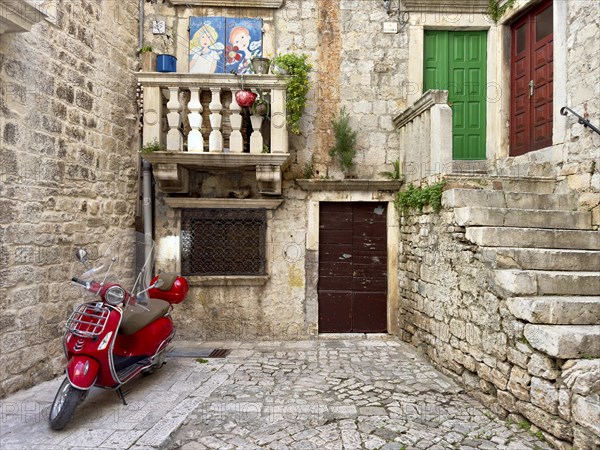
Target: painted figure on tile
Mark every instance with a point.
(245, 42)
(206, 50)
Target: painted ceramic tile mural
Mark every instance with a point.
(207, 45)
(244, 40)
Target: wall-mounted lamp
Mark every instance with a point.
(402, 16)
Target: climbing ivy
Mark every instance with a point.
(495, 11)
(417, 198)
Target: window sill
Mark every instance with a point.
(228, 280)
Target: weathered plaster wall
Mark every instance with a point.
(68, 170)
(451, 309)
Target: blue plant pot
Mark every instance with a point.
(166, 63)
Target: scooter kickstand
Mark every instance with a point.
(121, 396)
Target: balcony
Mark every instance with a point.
(199, 126)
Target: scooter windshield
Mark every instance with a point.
(127, 260)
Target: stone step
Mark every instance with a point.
(544, 282)
(538, 185)
(458, 198)
(526, 218)
(553, 310)
(533, 238)
(540, 258)
(565, 341)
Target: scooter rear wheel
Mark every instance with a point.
(63, 407)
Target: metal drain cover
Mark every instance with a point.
(198, 353)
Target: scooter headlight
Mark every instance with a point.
(114, 295)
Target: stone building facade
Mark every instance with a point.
(68, 170)
(442, 291)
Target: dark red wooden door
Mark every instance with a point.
(532, 80)
(352, 268)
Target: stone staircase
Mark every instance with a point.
(545, 256)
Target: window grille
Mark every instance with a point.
(223, 241)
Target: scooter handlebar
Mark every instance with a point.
(78, 281)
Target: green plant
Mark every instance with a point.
(309, 168)
(345, 141)
(540, 435)
(265, 149)
(495, 11)
(524, 425)
(417, 198)
(154, 146)
(298, 85)
(146, 49)
(395, 175)
(201, 360)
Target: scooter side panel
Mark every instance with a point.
(98, 349)
(82, 371)
(147, 341)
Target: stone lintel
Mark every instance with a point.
(429, 99)
(446, 6)
(350, 185)
(227, 203)
(272, 4)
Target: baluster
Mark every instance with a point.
(153, 116)
(195, 139)
(256, 139)
(236, 141)
(279, 134)
(215, 140)
(174, 137)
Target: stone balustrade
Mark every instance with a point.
(199, 113)
(426, 136)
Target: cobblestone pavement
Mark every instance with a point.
(344, 393)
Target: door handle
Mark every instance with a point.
(531, 86)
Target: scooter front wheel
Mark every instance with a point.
(66, 401)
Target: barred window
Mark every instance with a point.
(223, 241)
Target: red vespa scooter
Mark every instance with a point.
(121, 333)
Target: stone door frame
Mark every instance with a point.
(312, 253)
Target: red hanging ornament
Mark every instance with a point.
(245, 98)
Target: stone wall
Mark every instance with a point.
(451, 309)
(68, 169)
(357, 66)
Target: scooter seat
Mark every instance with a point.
(135, 317)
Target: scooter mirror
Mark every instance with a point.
(81, 255)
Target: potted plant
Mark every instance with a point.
(345, 141)
(261, 104)
(298, 68)
(148, 58)
(260, 65)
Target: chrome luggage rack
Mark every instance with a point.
(88, 320)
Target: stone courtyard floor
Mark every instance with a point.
(342, 392)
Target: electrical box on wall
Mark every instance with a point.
(159, 27)
(390, 27)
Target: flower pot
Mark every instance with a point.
(148, 61)
(277, 70)
(261, 66)
(262, 109)
(245, 98)
(166, 63)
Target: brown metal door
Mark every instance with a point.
(532, 80)
(352, 268)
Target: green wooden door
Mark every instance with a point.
(456, 61)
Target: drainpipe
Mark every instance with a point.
(146, 166)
